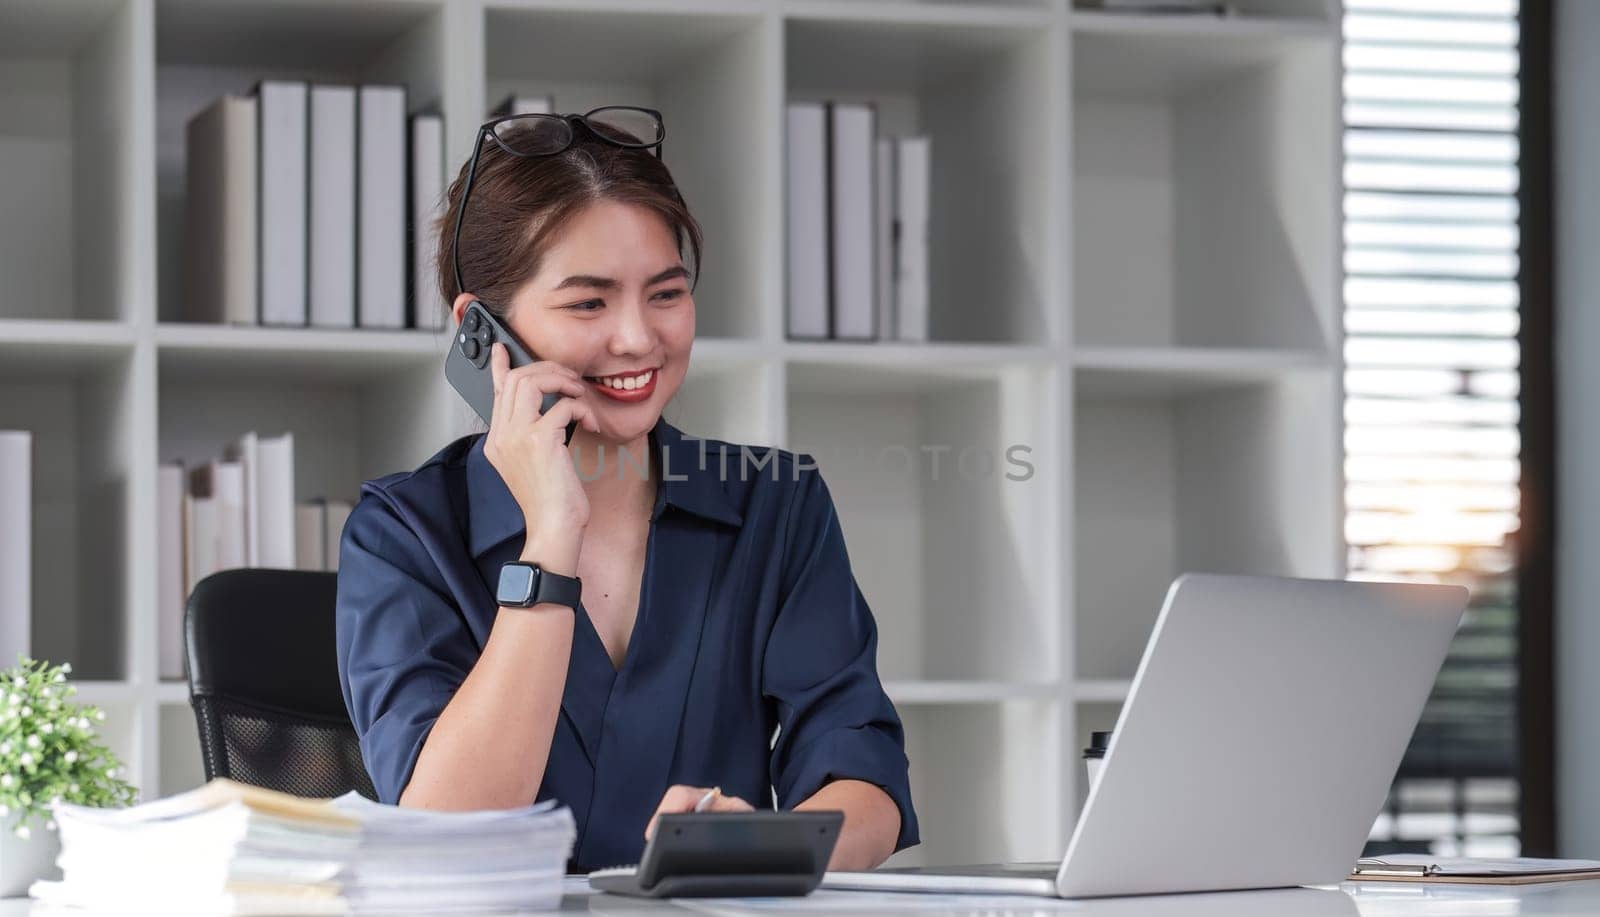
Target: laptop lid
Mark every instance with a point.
(1264, 726)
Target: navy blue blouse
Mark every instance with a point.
(749, 622)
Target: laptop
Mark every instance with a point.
(1256, 747)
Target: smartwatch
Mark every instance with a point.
(523, 585)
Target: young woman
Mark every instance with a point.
(715, 648)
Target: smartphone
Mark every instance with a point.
(467, 366)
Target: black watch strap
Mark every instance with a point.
(523, 585)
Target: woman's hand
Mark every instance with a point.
(680, 798)
(529, 449)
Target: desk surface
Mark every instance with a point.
(1370, 899)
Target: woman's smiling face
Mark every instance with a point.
(611, 300)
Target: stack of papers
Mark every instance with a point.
(233, 849)
(415, 860)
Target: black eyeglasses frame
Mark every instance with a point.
(488, 129)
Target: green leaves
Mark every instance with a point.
(49, 748)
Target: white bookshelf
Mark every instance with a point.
(1135, 275)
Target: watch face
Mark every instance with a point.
(516, 584)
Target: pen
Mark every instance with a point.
(706, 799)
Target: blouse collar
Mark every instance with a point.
(690, 481)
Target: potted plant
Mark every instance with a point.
(49, 751)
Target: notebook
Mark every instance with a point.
(1413, 867)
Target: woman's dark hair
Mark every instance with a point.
(519, 204)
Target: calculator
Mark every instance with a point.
(722, 854)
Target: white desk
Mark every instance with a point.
(1371, 899)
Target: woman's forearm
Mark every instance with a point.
(871, 822)
(491, 743)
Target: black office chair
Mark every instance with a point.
(264, 683)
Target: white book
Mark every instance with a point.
(338, 512)
(883, 234)
(283, 145)
(806, 200)
(200, 527)
(381, 203)
(275, 502)
(170, 557)
(427, 206)
(851, 170)
(516, 104)
(16, 540)
(332, 283)
(220, 258)
(224, 483)
(233, 521)
(913, 187)
(247, 452)
(308, 532)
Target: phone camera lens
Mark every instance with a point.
(470, 349)
(470, 324)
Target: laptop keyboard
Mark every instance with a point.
(1045, 870)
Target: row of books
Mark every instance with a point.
(228, 848)
(313, 205)
(16, 540)
(858, 226)
(236, 511)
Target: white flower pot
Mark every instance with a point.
(23, 860)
